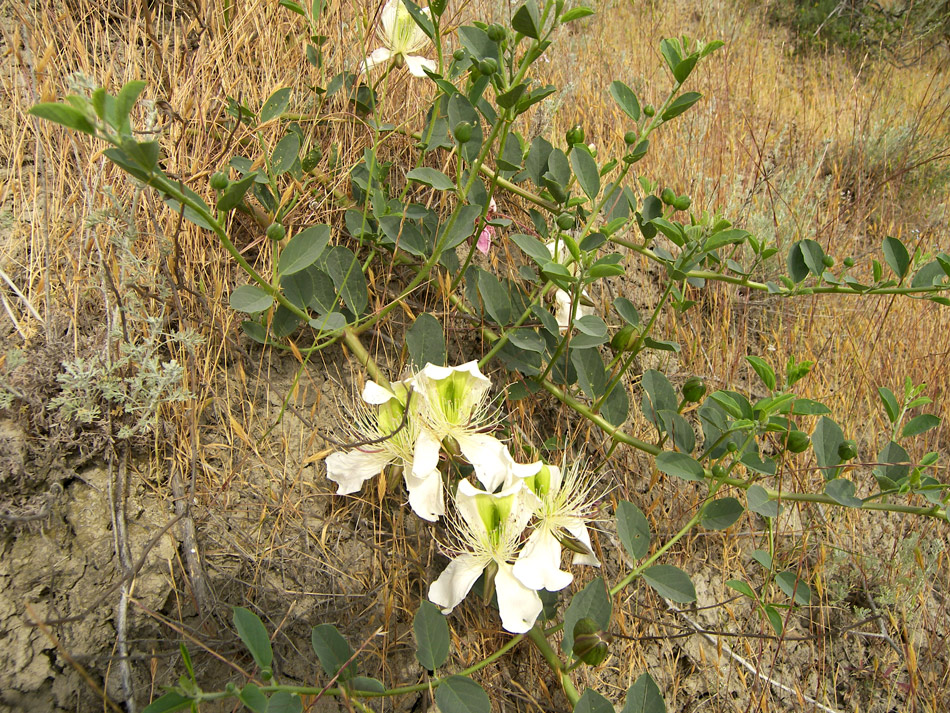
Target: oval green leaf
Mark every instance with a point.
(670, 582)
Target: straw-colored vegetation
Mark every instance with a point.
(845, 150)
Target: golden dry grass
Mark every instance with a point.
(790, 147)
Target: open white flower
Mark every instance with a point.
(455, 405)
(401, 38)
(393, 437)
(487, 539)
(562, 299)
(563, 510)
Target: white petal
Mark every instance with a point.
(425, 456)
(350, 469)
(379, 56)
(563, 313)
(454, 584)
(518, 605)
(579, 531)
(414, 64)
(389, 17)
(375, 394)
(539, 564)
(488, 456)
(425, 495)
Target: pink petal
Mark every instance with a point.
(484, 239)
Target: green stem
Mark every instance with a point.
(538, 638)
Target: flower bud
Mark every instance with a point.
(565, 221)
(589, 644)
(694, 389)
(828, 261)
(849, 262)
(668, 196)
(847, 450)
(276, 231)
(220, 181)
(497, 33)
(682, 203)
(458, 55)
(624, 339)
(488, 66)
(574, 135)
(649, 110)
(463, 132)
(630, 138)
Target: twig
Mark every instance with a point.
(117, 493)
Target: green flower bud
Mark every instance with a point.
(497, 33)
(463, 132)
(231, 688)
(488, 66)
(565, 221)
(797, 441)
(590, 645)
(276, 231)
(624, 339)
(847, 451)
(574, 135)
(828, 261)
(266, 674)
(718, 471)
(732, 447)
(458, 55)
(649, 110)
(849, 262)
(682, 203)
(694, 389)
(630, 138)
(668, 196)
(220, 181)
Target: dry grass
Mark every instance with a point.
(789, 148)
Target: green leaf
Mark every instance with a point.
(526, 20)
(251, 299)
(644, 697)
(284, 702)
(658, 395)
(592, 601)
(495, 296)
(721, 513)
(626, 99)
(592, 702)
(758, 500)
(284, 155)
(304, 249)
(764, 371)
(679, 465)
(890, 403)
(728, 404)
(797, 269)
(807, 407)
(234, 193)
(252, 632)
(333, 651)
(171, 701)
(683, 69)
(895, 460)
(896, 256)
(532, 247)
(627, 311)
(477, 41)
(742, 587)
(591, 376)
(585, 168)
(366, 683)
(763, 558)
(775, 619)
(431, 177)
(633, 530)
(420, 18)
(789, 583)
(345, 271)
(252, 697)
(920, 424)
(576, 14)
(65, 115)
(527, 339)
(275, 105)
(463, 228)
(616, 407)
(431, 632)
(841, 491)
(681, 104)
(460, 694)
(124, 101)
(826, 440)
(670, 582)
(426, 342)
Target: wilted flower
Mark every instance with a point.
(391, 436)
(401, 38)
(562, 299)
(484, 238)
(563, 510)
(486, 541)
(454, 405)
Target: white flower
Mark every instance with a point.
(394, 437)
(487, 538)
(454, 404)
(401, 38)
(563, 299)
(564, 507)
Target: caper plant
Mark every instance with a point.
(509, 523)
